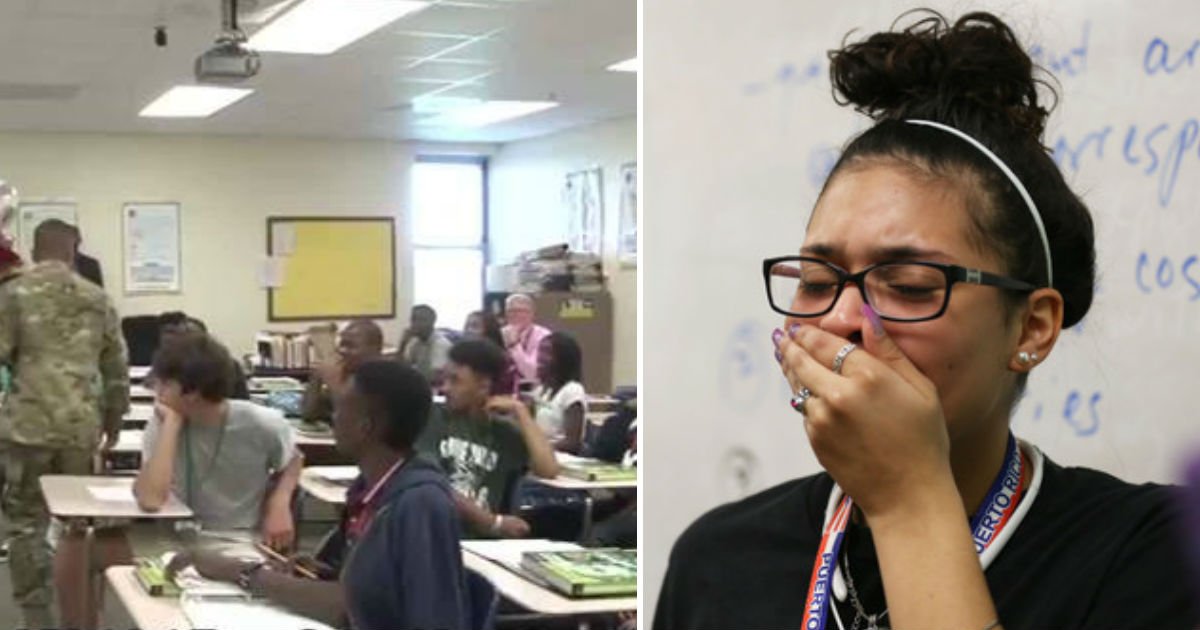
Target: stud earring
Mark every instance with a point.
(1024, 358)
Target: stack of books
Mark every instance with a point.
(585, 573)
(595, 470)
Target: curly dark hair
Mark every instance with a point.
(975, 76)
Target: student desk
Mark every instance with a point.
(140, 393)
(166, 613)
(129, 441)
(138, 373)
(148, 613)
(303, 440)
(313, 481)
(535, 597)
(138, 415)
(70, 497)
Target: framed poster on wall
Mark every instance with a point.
(627, 250)
(152, 256)
(583, 195)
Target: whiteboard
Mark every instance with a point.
(740, 131)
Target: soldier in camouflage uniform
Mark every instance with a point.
(61, 335)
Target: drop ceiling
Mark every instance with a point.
(91, 65)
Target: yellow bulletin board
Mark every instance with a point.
(332, 268)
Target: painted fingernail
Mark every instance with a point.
(793, 329)
(778, 357)
(873, 317)
(777, 336)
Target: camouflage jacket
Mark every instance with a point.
(61, 336)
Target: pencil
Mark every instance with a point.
(277, 556)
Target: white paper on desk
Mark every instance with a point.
(130, 440)
(222, 613)
(271, 272)
(510, 551)
(567, 458)
(112, 494)
(141, 412)
(337, 474)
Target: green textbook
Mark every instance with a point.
(585, 573)
(596, 470)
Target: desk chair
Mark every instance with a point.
(141, 338)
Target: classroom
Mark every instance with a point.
(318, 314)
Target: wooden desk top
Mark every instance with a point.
(72, 496)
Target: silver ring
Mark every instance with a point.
(841, 357)
(800, 398)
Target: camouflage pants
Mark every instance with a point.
(29, 553)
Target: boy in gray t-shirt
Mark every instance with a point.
(223, 471)
(233, 462)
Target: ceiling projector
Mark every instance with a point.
(228, 61)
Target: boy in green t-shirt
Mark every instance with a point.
(484, 442)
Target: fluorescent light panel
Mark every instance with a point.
(320, 27)
(629, 65)
(488, 112)
(193, 101)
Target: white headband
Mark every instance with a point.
(1012, 177)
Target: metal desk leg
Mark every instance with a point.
(587, 519)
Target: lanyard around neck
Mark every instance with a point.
(991, 527)
(360, 514)
(187, 456)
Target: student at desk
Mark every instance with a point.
(484, 442)
(560, 400)
(221, 456)
(360, 341)
(484, 325)
(172, 324)
(396, 548)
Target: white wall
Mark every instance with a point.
(227, 186)
(526, 211)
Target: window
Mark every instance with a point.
(449, 236)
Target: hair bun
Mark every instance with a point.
(968, 74)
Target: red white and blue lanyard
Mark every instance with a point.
(992, 526)
(360, 511)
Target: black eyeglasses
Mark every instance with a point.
(801, 286)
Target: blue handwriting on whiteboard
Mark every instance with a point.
(1159, 57)
(1166, 273)
(1153, 150)
(1084, 426)
(741, 369)
(1084, 421)
(1071, 63)
(788, 74)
